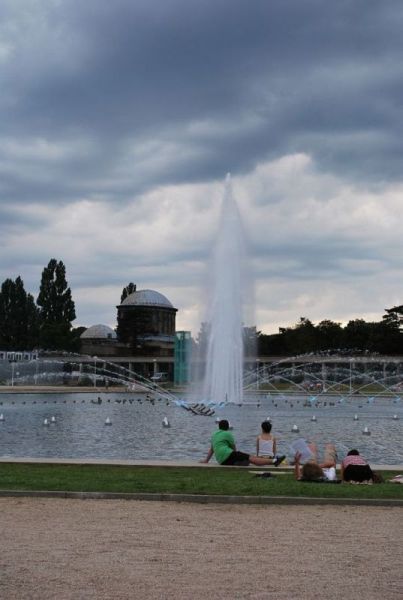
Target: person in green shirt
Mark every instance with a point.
(224, 449)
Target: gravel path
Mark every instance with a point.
(117, 549)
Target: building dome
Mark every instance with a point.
(101, 332)
(146, 298)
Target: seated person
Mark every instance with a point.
(312, 470)
(355, 468)
(266, 442)
(225, 452)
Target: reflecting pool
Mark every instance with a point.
(137, 432)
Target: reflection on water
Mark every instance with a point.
(137, 432)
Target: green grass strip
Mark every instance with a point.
(179, 480)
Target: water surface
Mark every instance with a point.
(137, 432)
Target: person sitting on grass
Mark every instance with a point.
(224, 450)
(312, 470)
(355, 469)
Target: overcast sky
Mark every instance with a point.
(119, 121)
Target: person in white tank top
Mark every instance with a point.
(265, 447)
(266, 444)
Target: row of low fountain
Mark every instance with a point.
(108, 421)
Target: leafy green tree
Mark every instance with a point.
(271, 344)
(56, 308)
(394, 316)
(19, 324)
(301, 338)
(76, 338)
(127, 290)
(384, 337)
(329, 335)
(357, 334)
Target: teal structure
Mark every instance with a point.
(182, 357)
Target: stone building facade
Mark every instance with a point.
(144, 339)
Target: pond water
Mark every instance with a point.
(137, 432)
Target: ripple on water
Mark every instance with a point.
(137, 432)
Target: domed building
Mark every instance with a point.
(96, 338)
(146, 323)
(144, 340)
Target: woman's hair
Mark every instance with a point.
(223, 424)
(266, 426)
(353, 452)
(311, 471)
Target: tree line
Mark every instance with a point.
(46, 323)
(382, 337)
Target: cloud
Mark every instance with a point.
(118, 122)
(316, 245)
(115, 99)
(321, 245)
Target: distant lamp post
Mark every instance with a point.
(12, 361)
(351, 374)
(95, 370)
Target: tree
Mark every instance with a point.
(329, 335)
(385, 338)
(357, 335)
(76, 338)
(19, 325)
(56, 308)
(301, 338)
(129, 289)
(273, 344)
(394, 316)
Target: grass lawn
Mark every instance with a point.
(180, 480)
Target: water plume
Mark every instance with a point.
(224, 359)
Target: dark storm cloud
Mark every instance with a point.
(119, 120)
(258, 79)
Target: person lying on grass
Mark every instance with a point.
(224, 450)
(312, 470)
(355, 469)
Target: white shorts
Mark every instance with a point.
(330, 473)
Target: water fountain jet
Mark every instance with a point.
(224, 361)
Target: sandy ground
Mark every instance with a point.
(117, 549)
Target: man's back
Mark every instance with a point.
(223, 444)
